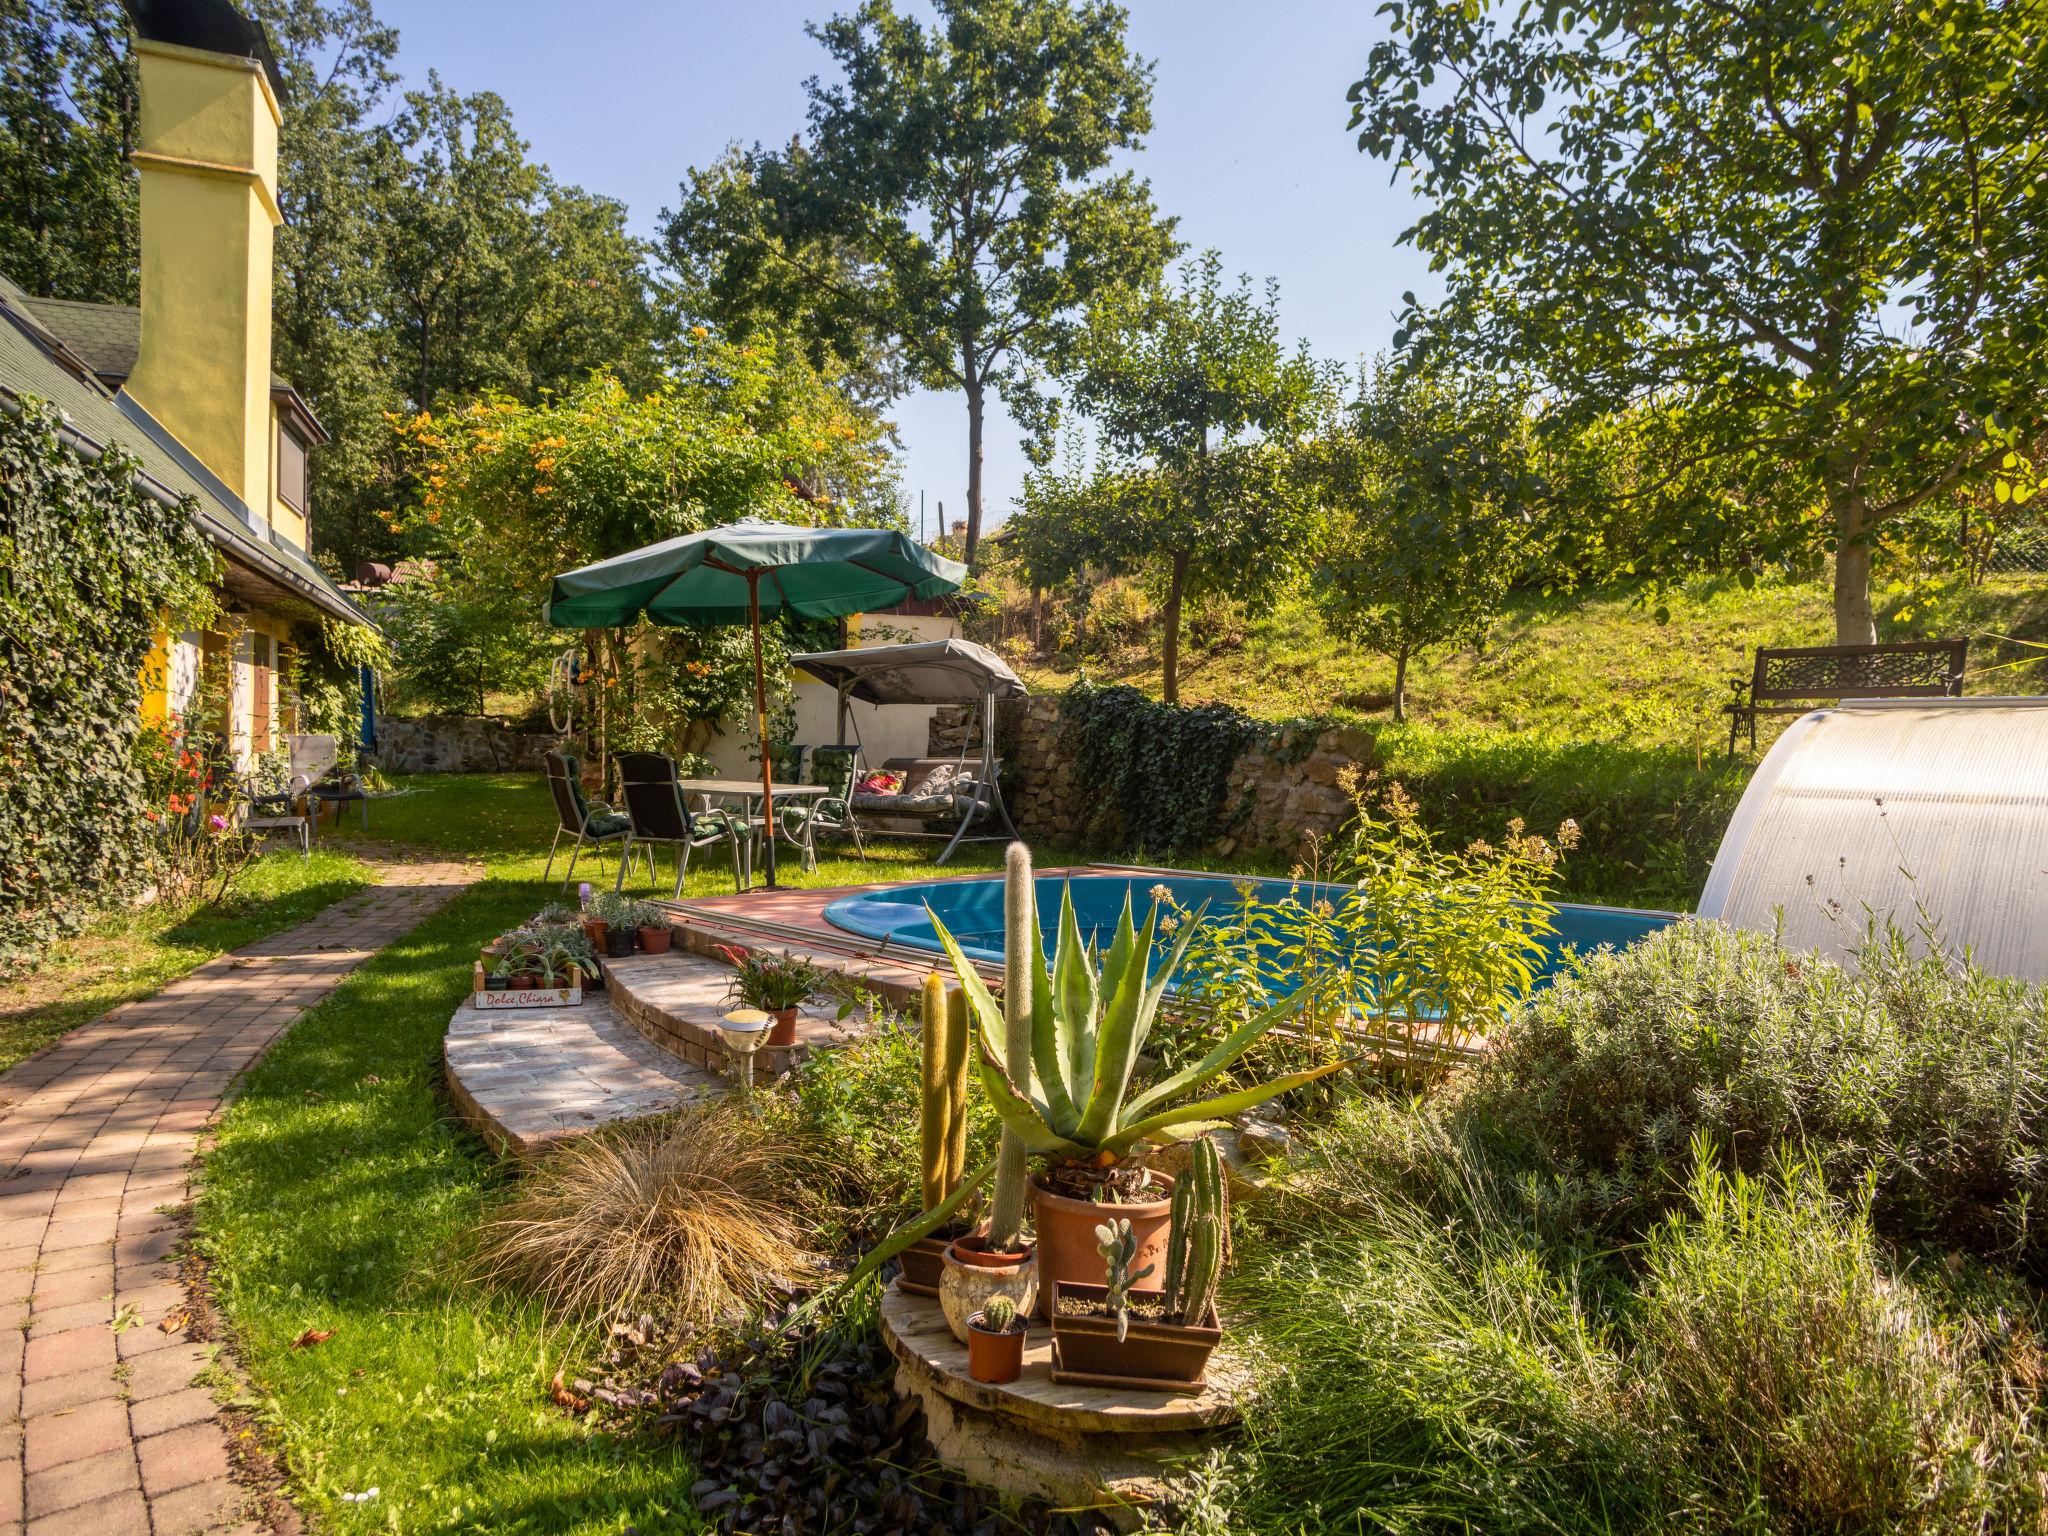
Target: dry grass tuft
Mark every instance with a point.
(697, 1212)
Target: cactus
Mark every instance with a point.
(1020, 950)
(1195, 1240)
(942, 1112)
(998, 1313)
(1118, 1245)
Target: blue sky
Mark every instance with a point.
(1248, 145)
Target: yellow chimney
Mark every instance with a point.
(208, 161)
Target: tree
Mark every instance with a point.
(68, 109)
(1432, 485)
(1801, 240)
(965, 163)
(1198, 404)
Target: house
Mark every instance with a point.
(183, 382)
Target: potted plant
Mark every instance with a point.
(652, 925)
(942, 1128)
(499, 977)
(607, 923)
(997, 1260)
(775, 984)
(1159, 1339)
(995, 1342)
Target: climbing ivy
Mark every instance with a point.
(1161, 771)
(89, 567)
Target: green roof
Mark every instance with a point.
(33, 363)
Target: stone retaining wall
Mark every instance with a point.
(456, 744)
(1286, 784)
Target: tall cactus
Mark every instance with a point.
(1020, 923)
(1195, 1240)
(942, 1109)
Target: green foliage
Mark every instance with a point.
(1198, 402)
(1076, 1096)
(1917, 1072)
(955, 192)
(1698, 228)
(1159, 774)
(449, 651)
(89, 565)
(1430, 485)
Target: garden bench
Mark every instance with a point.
(1790, 680)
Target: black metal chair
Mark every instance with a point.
(653, 793)
(594, 824)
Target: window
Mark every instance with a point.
(291, 470)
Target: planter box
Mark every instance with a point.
(482, 996)
(1153, 1357)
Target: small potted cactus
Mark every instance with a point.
(1118, 1333)
(995, 1342)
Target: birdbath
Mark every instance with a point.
(743, 1030)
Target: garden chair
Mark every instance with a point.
(657, 813)
(596, 824)
(261, 810)
(838, 768)
(318, 759)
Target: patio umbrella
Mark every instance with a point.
(735, 574)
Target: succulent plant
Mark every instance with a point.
(942, 1111)
(1118, 1245)
(998, 1313)
(1195, 1238)
(1020, 945)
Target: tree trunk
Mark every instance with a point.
(975, 406)
(1170, 651)
(1854, 622)
(1401, 684)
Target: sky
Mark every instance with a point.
(1249, 147)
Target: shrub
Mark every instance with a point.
(692, 1212)
(1811, 1385)
(1924, 1074)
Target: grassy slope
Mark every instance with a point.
(338, 1202)
(1580, 707)
(129, 953)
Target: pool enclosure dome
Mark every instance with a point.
(1919, 810)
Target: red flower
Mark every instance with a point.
(732, 952)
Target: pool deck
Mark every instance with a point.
(793, 918)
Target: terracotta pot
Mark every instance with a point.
(1066, 1233)
(995, 1357)
(525, 981)
(970, 1278)
(597, 930)
(655, 940)
(783, 1033)
(924, 1260)
(1155, 1356)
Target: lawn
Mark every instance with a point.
(131, 952)
(340, 1198)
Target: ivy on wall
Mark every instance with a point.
(89, 567)
(1161, 771)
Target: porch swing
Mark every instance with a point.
(951, 796)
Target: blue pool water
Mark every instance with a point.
(972, 911)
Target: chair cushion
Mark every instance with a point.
(612, 824)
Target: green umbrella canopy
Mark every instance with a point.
(700, 579)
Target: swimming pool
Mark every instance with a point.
(972, 911)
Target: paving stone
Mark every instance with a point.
(99, 1133)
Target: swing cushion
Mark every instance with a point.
(878, 784)
(930, 788)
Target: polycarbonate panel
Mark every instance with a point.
(1899, 807)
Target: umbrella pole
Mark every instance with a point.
(761, 726)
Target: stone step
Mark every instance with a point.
(675, 1001)
(528, 1077)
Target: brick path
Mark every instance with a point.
(107, 1433)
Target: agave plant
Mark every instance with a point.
(1088, 1027)
(1088, 1024)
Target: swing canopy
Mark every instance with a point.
(922, 672)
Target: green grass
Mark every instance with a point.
(342, 1194)
(129, 953)
(1595, 667)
